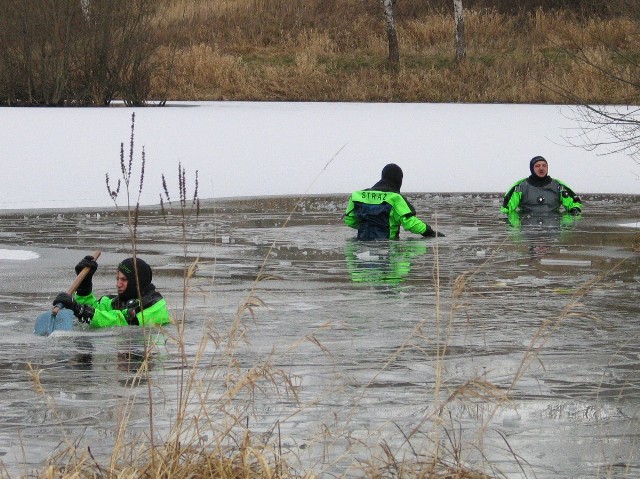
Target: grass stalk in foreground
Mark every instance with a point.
(211, 433)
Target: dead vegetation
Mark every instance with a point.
(336, 51)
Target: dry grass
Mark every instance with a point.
(215, 397)
(211, 435)
(336, 51)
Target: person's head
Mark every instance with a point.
(538, 166)
(392, 174)
(126, 280)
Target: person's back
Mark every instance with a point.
(378, 212)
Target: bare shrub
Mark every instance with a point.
(117, 58)
(69, 52)
(37, 49)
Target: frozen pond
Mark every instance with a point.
(513, 350)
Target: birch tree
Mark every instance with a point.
(392, 35)
(458, 12)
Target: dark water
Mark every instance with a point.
(512, 350)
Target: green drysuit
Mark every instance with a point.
(379, 215)
(106, 315)
(544, 198)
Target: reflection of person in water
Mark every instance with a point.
(543, 221)
(541, 231)
(132, 359)
(381, 263)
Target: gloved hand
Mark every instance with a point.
(86, 286)
(574, 211)
(83, 312)
(431, 233)
(67, 301)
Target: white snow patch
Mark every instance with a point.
(17, 254)
(241, 149)
(631, 225)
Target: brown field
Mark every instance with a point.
(336, 50)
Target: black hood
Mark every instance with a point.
(391, 179)
(533, 161)
(143, 278)
(534, 179)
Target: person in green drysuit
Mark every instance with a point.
(137, 301)
(533, 205)
(539, 194)
(378, 212)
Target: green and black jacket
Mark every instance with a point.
(540, 195)
(378, 214)
(109, 312)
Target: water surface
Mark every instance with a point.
(513, 348)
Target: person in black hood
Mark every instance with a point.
(379, 211)
(390, 179)
(137, 275)
(539, 193)
(136, 303)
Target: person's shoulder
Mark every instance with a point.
(518, 183)
(397, 199)
(561, 182)
(105, 302)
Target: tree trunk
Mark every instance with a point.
(392, 36)
(458, 11)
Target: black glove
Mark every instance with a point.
(431, 233)
(67, 301)
(86, 286)
(83, 312)
(574, 211)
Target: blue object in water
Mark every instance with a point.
(47, 322)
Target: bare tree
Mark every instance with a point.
(458, 12)
(392, 35)
(607, 128)
(119, 47)
(37, 49)
(613, 129)
(77, 52)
